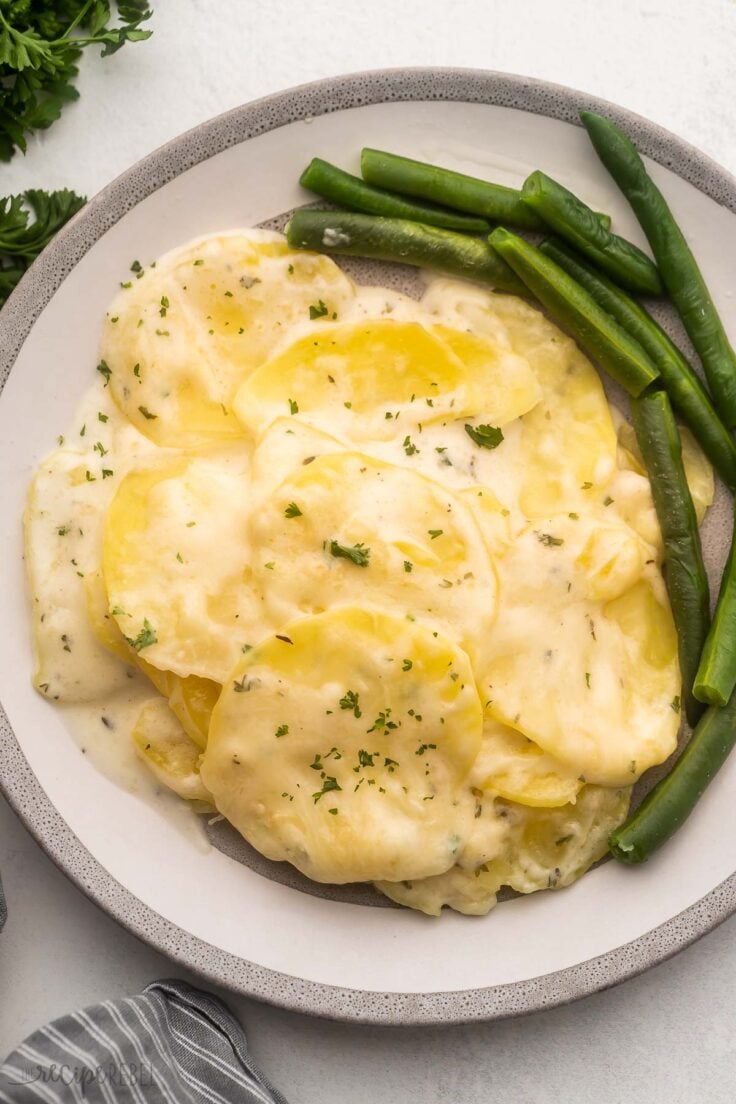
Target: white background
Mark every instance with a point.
(669, 1035)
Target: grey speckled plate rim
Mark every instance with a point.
(17, 780)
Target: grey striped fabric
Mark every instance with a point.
(171, 1044)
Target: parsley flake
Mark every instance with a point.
(548, 540)
(147, 413)
(485, 436)
(350, 701)
(292, 511)
(357, 553)
(318, 310)
(145, 638)
(328, 785)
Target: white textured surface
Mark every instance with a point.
(667, 1035)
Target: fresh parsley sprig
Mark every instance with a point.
(21, 237)
(41, 42)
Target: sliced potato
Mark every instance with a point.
(165, 748)
(544, 849)
(180, 340)
(590, 681)
(378, 378)
(416, 548)
(513, 767)
(343, 745)
(176, 563)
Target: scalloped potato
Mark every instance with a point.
(384, 573)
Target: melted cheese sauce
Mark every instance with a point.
(377, 579)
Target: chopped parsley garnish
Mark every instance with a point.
(90, 477)
(145, 638)
(147, 413)
(293, 407)
(607, 501)
(365, 759)
(103, 369)
(282, 730)
(164, 306)
(587, 679)
(101, 417)
(390, 765)
(485, 436)
(382, 722)
(586, 486)
(137, 268)
(409, 447)
(548, 539)
(328, 785)
(434, 533)
(357, 553)
(99, 447)
(675, 703)
(318, 310)
(292, 511)
(350, 701)
(408, 566)
(406, 665)
(107, 473)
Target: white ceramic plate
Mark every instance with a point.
(206, 910)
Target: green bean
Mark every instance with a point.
(577, 312)
(672, 800)
(684, 572)
(677, 265)
(349, 191)
(569, 217)
(387, 239)
(716, 677)
(683, 386)
(494, 202)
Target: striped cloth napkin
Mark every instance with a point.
(171, 1044)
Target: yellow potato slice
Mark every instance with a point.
(286, 447)
(191, 699)
(62, 525)
(343, 746)
(376, 379)
(698, 469)
(176, 564)
(415, 546)
(544, 849)
(168, 752)
(592, 682)
(568, 441)
(514, 767)
(180, 340)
